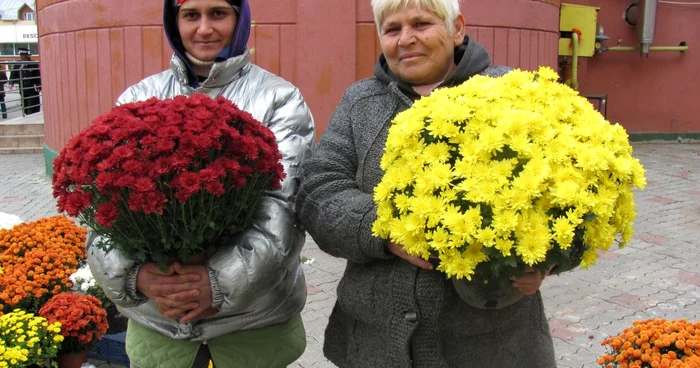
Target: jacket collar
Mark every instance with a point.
(221, 73)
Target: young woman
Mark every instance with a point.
(241, 308)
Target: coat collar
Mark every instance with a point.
(221, 73)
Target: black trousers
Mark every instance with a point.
(31, 100)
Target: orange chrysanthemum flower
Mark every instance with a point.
(654, 343)
(37, 259)
(83, 320)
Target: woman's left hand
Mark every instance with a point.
(531, 281)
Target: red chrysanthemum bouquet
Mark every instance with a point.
(165, 180)
(83, 320)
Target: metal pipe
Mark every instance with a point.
(651, 48)
(646, 24)
(573, 82)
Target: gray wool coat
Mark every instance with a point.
(390, 313)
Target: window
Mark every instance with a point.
(7, 49)
(13, 48)
(29, 16)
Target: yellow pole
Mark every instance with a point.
(574, 63)
(652, 48)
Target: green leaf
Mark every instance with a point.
(141, 256)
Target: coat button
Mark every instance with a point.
(411, 316)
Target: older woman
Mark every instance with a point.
(394, 310)
(242, 307)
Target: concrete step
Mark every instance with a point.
(21, 141)
(21, 128)
(20, 150)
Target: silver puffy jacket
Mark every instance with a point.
(256, 280)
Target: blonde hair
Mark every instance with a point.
(445, 9)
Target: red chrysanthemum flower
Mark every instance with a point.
(147, 168)
(106, 214)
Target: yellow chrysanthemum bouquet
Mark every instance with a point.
(500, 174)
(26, 339)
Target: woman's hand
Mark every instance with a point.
(396, 250)
(151, 282)
(188, 301)
(531, 281)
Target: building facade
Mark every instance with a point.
(652, 95)
(98, 48)
(18, 28)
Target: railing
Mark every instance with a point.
(20, 89)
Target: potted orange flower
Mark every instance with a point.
(83, 322)
(37, 259)
(654, 343)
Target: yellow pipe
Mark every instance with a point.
(573, 82)
(652, 48)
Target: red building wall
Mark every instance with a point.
(658, 94)
(93, 50)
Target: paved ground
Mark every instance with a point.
(657, 275)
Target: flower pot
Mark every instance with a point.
(72, 360)
(494, 294)
(117, 321)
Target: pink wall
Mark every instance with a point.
(92, 50)
(658, 94)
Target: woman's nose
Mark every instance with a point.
(406, 37)
(204, 26)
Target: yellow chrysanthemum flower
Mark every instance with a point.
(439, 239)
(505, 246)
(563, 232)
(497, 169)
(437, 152)
(22, 343)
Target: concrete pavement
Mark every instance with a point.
(656, 275)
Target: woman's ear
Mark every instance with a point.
(458, 29)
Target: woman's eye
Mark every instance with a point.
(421, 24)
(391, 30)
(190, 15)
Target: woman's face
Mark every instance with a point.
(418, 46)
(206, 27)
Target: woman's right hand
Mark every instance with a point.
(398, 251)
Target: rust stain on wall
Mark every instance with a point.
(99, 7)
